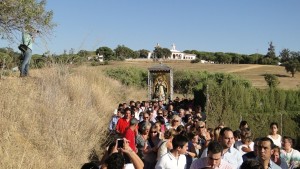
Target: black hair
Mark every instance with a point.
(111, 147)
(191, 135)
(186, 118)
(251, 164)
(215, 147)
(160, 119)
(222, 132)
(127, 109)
(269, 140)
(180, 129)
(90, 165)
(237, 133)
(274, 123)
(243, 123)
(179, 141)
(115, 161)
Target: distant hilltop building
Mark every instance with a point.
(176, 54)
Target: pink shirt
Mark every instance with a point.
(202, 163)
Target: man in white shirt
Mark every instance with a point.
(175, 159)
(213, 159)
(230, 154)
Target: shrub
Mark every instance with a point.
(271, 80)
(197, 60)
(97, 63)
(130, 76)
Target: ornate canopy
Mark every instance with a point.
(160, 82)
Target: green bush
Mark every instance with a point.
(197, 60)
(231, 101)
(97, 63)
(130, 76)
(271, 80)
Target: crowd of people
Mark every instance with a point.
(152, 134)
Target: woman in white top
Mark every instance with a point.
(165, 145)
(276, 138)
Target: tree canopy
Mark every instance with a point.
(292, 66)
(162, 52)
(271, 51)
(123, 52)
(16, 14)
(107, 53)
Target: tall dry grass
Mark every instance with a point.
(56, 117)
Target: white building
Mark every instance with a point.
(175, 54)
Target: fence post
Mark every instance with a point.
(281, 123)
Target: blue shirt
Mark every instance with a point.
(272, 165)
(113, 123)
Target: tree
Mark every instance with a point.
(162, 52)
(123, 52)
(107, 53)
(271, 80)
(83, 53)
(284, 55)
(223, 57)
(253, 58)
(236, 58)
(295, 55)
(271, 51)
(16, 14)
(143, 53)
(292, 66)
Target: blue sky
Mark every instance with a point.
(238, 26)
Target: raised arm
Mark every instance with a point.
(135, 159)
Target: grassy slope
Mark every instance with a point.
(56, 117)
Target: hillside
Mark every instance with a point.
(56, 117)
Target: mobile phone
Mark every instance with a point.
(120, 143)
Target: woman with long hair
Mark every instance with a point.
(165, 145)
(151, 147)
(274, 136)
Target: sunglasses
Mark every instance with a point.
(175, 121)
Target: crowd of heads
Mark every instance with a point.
(181, 126)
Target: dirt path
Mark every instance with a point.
(245, 68)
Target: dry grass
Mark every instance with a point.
(56, 117)
(252, 72)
